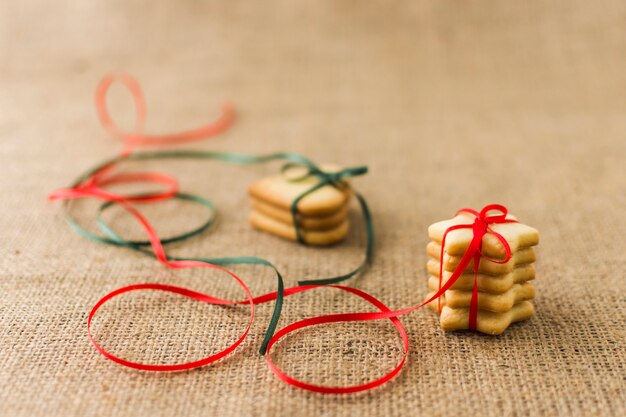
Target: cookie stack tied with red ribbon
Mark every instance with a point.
(321, 210)
(484, 261)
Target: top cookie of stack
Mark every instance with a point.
(321, 215)
(504, 290)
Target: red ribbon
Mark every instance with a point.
(93, 187)
(138, 138)
(314, 321)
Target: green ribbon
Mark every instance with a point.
(334, 179)
(116, 240)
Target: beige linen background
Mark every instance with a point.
(450, 104)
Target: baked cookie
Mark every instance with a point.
(312, 237)
(498, 303)
(517, 235)
(325, 222)
(281, 192)
(450, 262)
(487, 321)
(495, 284)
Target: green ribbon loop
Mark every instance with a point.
(335, 179)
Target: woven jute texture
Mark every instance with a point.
(451, 104)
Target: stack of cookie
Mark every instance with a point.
(322, 215)
(504, 290)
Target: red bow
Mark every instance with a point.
(480, 227)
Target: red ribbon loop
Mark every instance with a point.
(336, 318)
(186, 293)
(137, 137)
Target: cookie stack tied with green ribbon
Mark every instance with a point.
(505, 291)
(321, 215)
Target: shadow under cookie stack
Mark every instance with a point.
(505, 291)
(322, 215)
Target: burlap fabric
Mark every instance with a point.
(450, 104)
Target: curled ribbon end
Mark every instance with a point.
(56, 195)
(228, 109)
(137, 137)
(362, 170)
